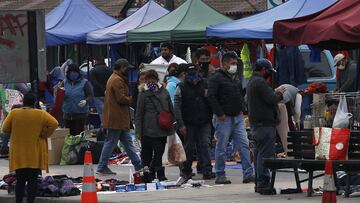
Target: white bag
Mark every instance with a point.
(176, 153)
(342, 115)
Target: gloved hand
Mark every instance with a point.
(82, 103)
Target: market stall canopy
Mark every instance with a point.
(186, 23)
(337, 27)
(71, 20)
(116, 33)
(260, 26)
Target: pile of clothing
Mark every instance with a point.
(49, 186)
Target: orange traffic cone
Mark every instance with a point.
(88, 194)
(329, 193)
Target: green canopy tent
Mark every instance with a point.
(186, 23)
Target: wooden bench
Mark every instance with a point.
(301, 155)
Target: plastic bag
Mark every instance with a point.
(176, 152)
(342, 115)
(69, 141)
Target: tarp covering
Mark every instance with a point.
(71, 20)
(260, 26)
(186, 23)
(117, 33)
(337, 27)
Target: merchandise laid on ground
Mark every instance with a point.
(62, 185)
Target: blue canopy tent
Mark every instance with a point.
(260, 26)
(71, 20)
(116, 33)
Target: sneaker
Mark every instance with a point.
(222, 180)
(250, 179)
(105, 171)
(209, 175)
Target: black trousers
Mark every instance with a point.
(29, 176)
(75, 126)
(152, 150)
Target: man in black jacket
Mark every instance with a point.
(193, 114)
(98, 77)
(227, 102)
(263, 116)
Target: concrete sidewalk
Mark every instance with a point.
(236, 192)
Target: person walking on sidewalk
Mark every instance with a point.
(29, 129)
(117, 118)
(193, 115)
(227, 102)
(174, 80)
(263, 115)
(151, 102)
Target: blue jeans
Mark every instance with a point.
(111, 141)
(99, 105)
(265, 138)
(234, 127)
(201, 136)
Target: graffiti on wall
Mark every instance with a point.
(14, 47)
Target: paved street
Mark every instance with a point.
(236, 192)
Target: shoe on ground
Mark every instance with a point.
(105, 171)
(193, 174)
(222, 180)
(265, 190)
(208, 176)
(250, 179)
(181, 180)
(162, 178)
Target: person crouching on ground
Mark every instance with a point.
(29, 129)
(151, 102)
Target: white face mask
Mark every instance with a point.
(341, 67)
(232, 70)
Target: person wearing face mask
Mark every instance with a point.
(167, 56)
(193, 115)
(173, 80)
(78, 94)
(117, 118)
(346, 74)
(151, 101)
(263, 115)
(227, 102)
(202, 57)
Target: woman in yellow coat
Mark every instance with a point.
(29, 129)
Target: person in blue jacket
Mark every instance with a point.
(78, 94)
(174, 80)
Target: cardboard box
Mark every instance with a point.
(55, 144)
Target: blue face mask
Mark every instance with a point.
(73, 75)
(192, 77)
